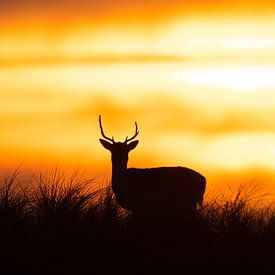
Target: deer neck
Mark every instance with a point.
(119, 181)
(119, 172)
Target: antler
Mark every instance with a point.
(102, 132)
(134, 136)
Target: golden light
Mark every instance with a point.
(239, 79)
(218, 36)
(248, 43)
(189, 37)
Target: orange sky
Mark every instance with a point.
(198, 76)
(139, 9)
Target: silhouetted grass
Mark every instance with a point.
(58, 224)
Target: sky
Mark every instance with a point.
(197, 76)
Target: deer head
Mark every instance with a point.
(119, 150)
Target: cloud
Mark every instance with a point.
(93, 6)
(148, 10)
(163, 113)
(44, 15)
(117, 3)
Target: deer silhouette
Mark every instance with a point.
(152, 191)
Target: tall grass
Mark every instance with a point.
(239, 211)
(59, 224)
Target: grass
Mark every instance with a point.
(57, 225)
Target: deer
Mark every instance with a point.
(152, 191)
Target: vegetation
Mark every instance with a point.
(58, 225)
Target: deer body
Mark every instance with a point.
(161, 189)
(152, 190)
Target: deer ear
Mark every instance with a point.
(107, 145)
(132, 145)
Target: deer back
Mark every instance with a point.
(164, 187)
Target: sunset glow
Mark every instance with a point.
(199, 81)
(236, 79)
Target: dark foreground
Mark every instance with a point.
(59, 227)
